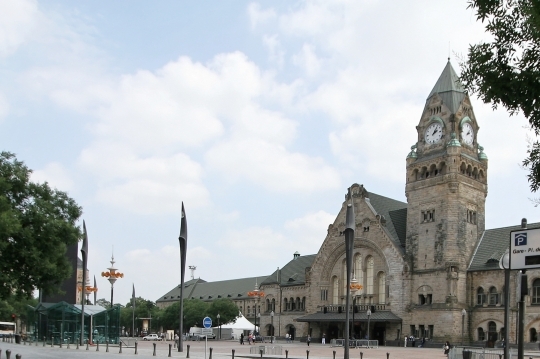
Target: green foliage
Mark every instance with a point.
(143, 309)
(104, 303)
(506, 70)
(227, 310)
(37, 224)
(17, 306)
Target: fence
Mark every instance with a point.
(355, 343)
(486, 353)
(266, 349)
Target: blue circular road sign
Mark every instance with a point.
(207, 322)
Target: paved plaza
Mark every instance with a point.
(221, 350)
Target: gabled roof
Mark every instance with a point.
(449, 87)
(395, 213)
(293, 273)
(200, 289)
(492, 246)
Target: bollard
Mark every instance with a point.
(120, 352)
(361, 355)
(387, 355)
(187, 356)
(260, 351)
(44, 341)
(334, 354)
(60, 340)
(97, 346)
(107, 346)
(233, 354)
(87, 345)
(68, 345)
(500, 356)
(286, 354)
(154, 350)
(77, 345)
(18, 356)
(8, 353)
(136, 347)
(211, 349)
(170, 349)
(307, 354)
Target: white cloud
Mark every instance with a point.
(258, 16)
(18, 20)
(276, 52)
(56, 175)
(308, 232)
(307, 60)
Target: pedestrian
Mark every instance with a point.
(405, 341)
(242, 339)
(323, 339)
(176, 338)
(447, 347)
(308, 340)
(286, 337)
(250, 338)
(422, 342)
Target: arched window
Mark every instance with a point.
(369, 275)
(335, 291)
(480, 296)
(285, 304)
(533, 335)
(536, 292)
(268, 307)
(359, 272)
(481, 334)
(382, 287)
(303, 303)
(248, 310)
(291, 304)
(274, 304)
(297, 305)
(344, 277)
(492, 327)
(493, 296)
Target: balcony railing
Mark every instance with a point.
(340, 308)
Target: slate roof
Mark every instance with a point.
(395, 213)
(378, 316)
(200, 289)
(449, 87)
(293, 273)
(491, 247)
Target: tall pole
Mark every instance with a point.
(95, 290)
(182, 239)
(349, 243)
(521, 312)
(84, 255)
(133, 312)
(463, 312)
(368, 318)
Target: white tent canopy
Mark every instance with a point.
(241, 323)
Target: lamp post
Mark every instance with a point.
(505, 264)
(463, 313)
(272, 327)
(368, 318)
(112, 275)
(182, 240)
(256, 293)
(349, 244)
(219, 325)
(354, 287)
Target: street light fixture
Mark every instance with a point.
(354, 287)
(463, 313)
(219, 325)
(112, 275)
(256, 293)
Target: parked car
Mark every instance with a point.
(152, 337)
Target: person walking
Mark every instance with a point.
(323, 339)
(242, 339)
(447, 348)
(405, 341)
(308, 340)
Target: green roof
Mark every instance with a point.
(449, 87)
(207, 291)
(395, 213)
(293, 273)
(491, 247)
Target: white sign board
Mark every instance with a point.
(525, 249)
(206, 331)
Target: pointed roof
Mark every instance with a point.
(449, 87)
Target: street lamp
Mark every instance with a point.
(219, 325)
(272, 327)
(463, 313)
(349, 245)
(354, 287)
(368, 318)
(112, 275)
(256, 293)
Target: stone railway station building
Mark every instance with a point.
(427, 267)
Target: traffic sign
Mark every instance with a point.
(525, 249)
(207, 322)
(206, 331)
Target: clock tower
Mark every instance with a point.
(446, 189)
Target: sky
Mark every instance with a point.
(256, 115)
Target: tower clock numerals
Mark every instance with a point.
(434, 133)
(467, 133)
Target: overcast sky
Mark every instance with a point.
(258, 115)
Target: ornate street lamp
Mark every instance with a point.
(112, 275)
(219, 325)
(256, 293)
(272, 328)
(349, 244)
(88, 289)
(354, 287)
(463, 313)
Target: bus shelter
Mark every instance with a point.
(61, 323)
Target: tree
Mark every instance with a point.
(37, 224)
(144, 308)
(227, 310)
(16, 306)
(506, 71)
(194, 312)
(104, 303)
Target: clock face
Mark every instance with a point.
(467, 133)
(434, 133)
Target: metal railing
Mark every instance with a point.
(266, 349)
(486, 353)
(355, 343)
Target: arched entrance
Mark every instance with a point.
(269, 330)
(291, 330)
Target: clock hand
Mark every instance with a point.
(434, 132)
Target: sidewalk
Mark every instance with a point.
(221, 350)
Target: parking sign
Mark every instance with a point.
(525, 249)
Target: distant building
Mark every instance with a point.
(420, 263)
